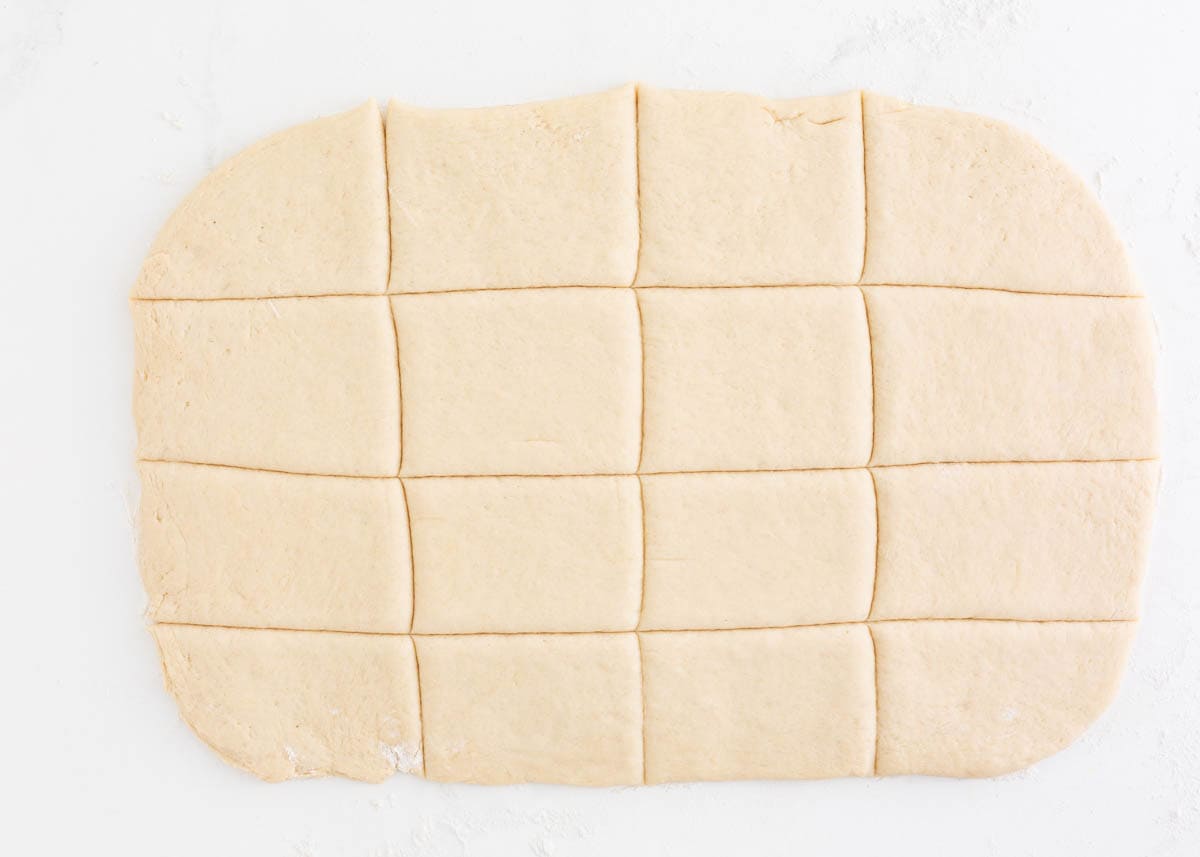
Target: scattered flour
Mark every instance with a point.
(405, 759)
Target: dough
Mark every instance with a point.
(548, 199)
(755, 378)
(645, 436)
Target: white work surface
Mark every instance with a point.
(110, 112)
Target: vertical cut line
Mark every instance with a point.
(412, 560)
(387, 288)
(399, 387)
(871, 360)
(637, 178)
(875, 669)
(642, 680)
(387, 199)
(875, 573)
(862, 115)
(637, 628)
(642, 414)
(420, 706)
(642, 598)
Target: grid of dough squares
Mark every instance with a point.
(639, 437)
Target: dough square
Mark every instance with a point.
(285, 704)
(223, 546)
(527, 195)
(964, 375)
(977, 699)
(740, 190)
(1062, 540)
(303, 212)
(526, 554)
(532, 708)
(955, 199)
(755, 378)
(520, 382)
(763, 704)
(268, 383)
(746, 550)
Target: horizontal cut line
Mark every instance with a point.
(249, 469)
(865, 622)
(643, 473)
(234, 298)
(1002, 290)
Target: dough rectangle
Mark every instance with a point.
(977, 699)
(1064, 540)
(223, 546)
(532, 708)
(740, 190)
(746, 550)
(794, 703)
(303, 212)
(267, 383)
(537, 382)
(755, 378)
(972, 375)
(517, 196)
(955, 199)
(289, 704)
(526, 553)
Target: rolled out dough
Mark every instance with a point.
(640, 437)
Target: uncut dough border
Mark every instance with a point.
(637, 631)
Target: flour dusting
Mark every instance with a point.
(402, 757)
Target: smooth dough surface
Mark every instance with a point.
(530, 382)
(755, 379)
(556, 554)
(527, 195)
(268, 384)
(286, 704)
(991, 376)
(956, 199)
(301, 213)
(227, 546)
(758, 550)
(532, 707)
(644, 436)
(985, 698)
(741, 190)
(759, 704)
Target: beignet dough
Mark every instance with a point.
(639, 437)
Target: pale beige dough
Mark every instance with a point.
(546, 381)
(990, 376)
(645, 436)
(763, 704)
(755, 379)
(527, 195)
(223, 546)
(961, 541)
(747, 550)
(556, 554)
(532, 707)
(956, 199)
(286, 704)
(979, 699)
(269, 384)
(304, 212)
(741, 190)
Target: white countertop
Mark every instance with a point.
(110, 112)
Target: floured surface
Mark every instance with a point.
(693, 437)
